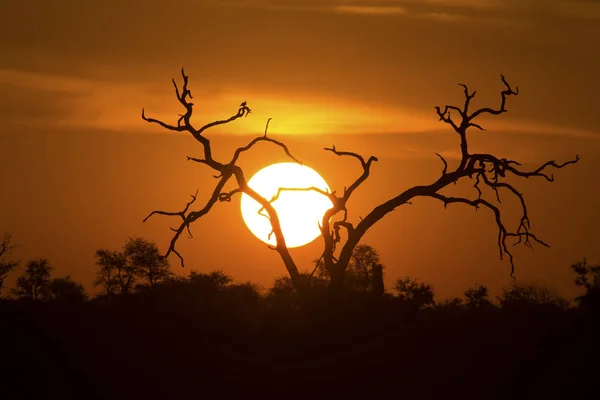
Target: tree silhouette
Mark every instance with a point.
(486, 170)
(521, 295)
(477, 296)
(145, 260)
(6, 265)
(65, 290)
(33, 284)
(114, 275)
(414, 293)
(138, 266)
(362, 261)
(587, 277)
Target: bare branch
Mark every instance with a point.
(503, 234)
(240, 150)
(330, 195)
(6, 247)
(198, 160)
(477, 182)
(184, 124)
(445, 163)
(476, 126)
(316, 265)
(180, 213)
(241, 112)
(504, 94)
(227, 196)
(349, 227)
(447, 118)
(267, 126)
(366, 165)
(178, 128)
(540, 170)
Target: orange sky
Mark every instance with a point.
(81, 169)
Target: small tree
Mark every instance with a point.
(33, 284)
(477, 296)
(114, 274)
(145, 260)
(6, 265)
(138, 265)
(415, 293)
(66, 290)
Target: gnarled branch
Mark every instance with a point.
(366, 166)
(489, 170)
(224, 173)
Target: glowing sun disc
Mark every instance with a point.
(300, 212)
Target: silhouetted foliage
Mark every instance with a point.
(415, 293)
(150, 267)
(205, 335)
(217, 280)
(6, 265)
(486, 170)
(114, 275)
(477, 296)
(360, 269)
(65, 290)
(139, 266)
(285, 295)
(528, 295)
(33, 284)
(450, 307)
(364, 273)
(587, 277)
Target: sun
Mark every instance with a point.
(300, 212)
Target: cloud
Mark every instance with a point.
(370, 10)
(336, 50)
(448, 9)
(58, 100)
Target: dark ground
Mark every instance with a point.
(157, 345)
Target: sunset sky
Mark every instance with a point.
(81, 169)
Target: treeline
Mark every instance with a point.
(152, 334)
(139, 268)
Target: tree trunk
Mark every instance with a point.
(377, 280)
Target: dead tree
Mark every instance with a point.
(486, 170)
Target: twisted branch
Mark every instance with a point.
(254, 141)
(224, 173)
(366, 166)
(489, 170)
(445, 164)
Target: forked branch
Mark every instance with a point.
(224, 173)
(486, 169)
(366, 166)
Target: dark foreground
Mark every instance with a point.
(155, 345)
